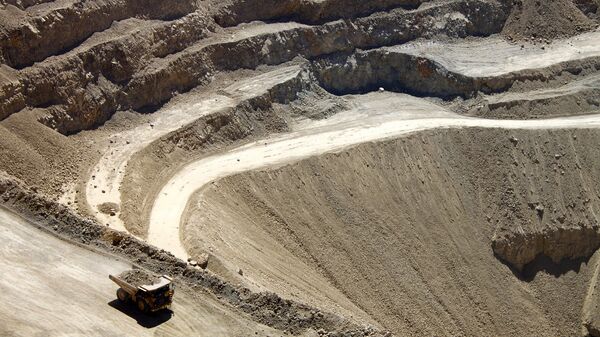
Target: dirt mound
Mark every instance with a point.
(539, 21)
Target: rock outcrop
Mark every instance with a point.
(139, 63)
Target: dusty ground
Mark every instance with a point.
(51, 288)
(423, 167)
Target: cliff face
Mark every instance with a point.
(82, 61)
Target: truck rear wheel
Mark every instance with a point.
(143, 306)
(122, 295)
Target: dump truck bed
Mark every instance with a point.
(128, 287)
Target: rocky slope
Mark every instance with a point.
(424, 257)
(444, 232)
(162, 65)
(267, 308)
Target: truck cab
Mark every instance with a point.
(159, 295)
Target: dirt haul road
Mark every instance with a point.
(52, 288)
(377, 122)
(107, 175)
(487, 58)
(373, 118)
(494, 56)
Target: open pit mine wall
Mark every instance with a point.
(309, 12)
(22, 4)
(35, 35)
(453, 207)
(250, 119)
(365, 71)
(535, 193)
(265, 308)
(83, 85)
(545, 196)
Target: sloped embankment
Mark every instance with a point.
(405, 228)
(265, 308)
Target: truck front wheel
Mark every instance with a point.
(143, 306)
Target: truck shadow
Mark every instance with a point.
(149, 321)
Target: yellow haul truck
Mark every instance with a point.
(148, 298)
